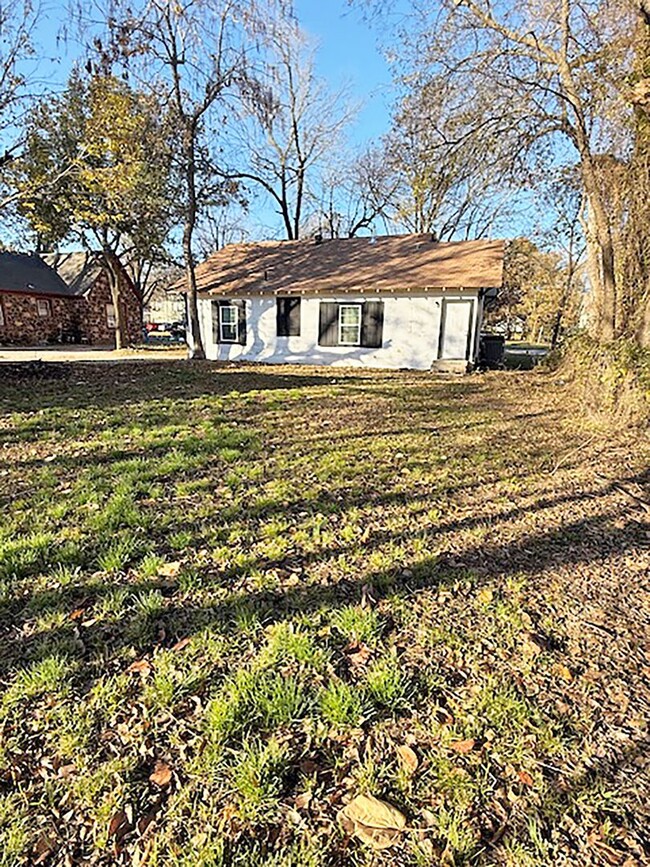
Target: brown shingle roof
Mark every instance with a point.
(78, 270)
(351, 265)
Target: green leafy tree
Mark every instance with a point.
(540, 293)
(116, 195)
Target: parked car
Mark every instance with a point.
(164, 332)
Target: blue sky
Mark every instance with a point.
(348, 51)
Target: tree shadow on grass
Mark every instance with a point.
(579, 543)
(115, 385)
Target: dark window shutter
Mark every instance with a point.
(215, 322)
(372, 324)
(241, 320)
(288, 317)
(328, 324)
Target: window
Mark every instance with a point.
(359, 324)
(43, 308)
(111, 321)
(228, 319)
(350, 324)
(288, 317)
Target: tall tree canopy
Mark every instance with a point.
(562, 77)
(116, 196)
(197, 55)
(292, 124)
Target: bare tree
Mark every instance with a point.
(197, 53)
(293, 123)
(17, 22)
(554, 69)
(449, 186)
(357, 194)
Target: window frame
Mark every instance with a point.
(43, 308)
(234, 324)
(283, 316)
(111, 318)
(359, 308)
(3, 319)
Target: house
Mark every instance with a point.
(165, 302)
(61, 298)
(401, 301)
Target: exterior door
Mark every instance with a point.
(455, 329)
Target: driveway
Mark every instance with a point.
(88, 353)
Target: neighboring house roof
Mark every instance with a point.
(79, 271)
(30, 275)
(400, 263)
(70, 274)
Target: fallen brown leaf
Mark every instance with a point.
(463, 747)
(180, 645)
(161, 774)
(45, 846)
(408, 758)
(119, 824)
(525, 778)
(302, 801)
(141, 666)
(374, 822)
(357, 653)
(170, 570)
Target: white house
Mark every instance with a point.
(401, 301)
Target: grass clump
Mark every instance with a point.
(257, 777)
(261, 699)
(387, 684)
(119, 554)
(341, 704)
(358, 624)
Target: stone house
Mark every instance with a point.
(62, 298)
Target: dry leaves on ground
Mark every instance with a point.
(374, 822)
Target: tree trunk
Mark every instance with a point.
(600, 243)
(600, 256)
(115, 285)
(637, 271)
(195, 343)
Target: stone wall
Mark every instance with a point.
(24, 327)
(83, 318)
(94, 314)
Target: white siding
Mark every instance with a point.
(411, 333)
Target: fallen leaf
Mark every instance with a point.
(357, 653)
(45, 846)
(463, 747)
(374, 822)
(170, 570)
(485, 596)
(563, 671)
(141, 666)
(408, 758)
(77, 614)
(308, 767)
(161, 774)
(119, 824)
(302, 801)
(180, 645)
(525, 778)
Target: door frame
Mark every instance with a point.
(470, 326)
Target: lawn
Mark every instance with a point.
(232, 599)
